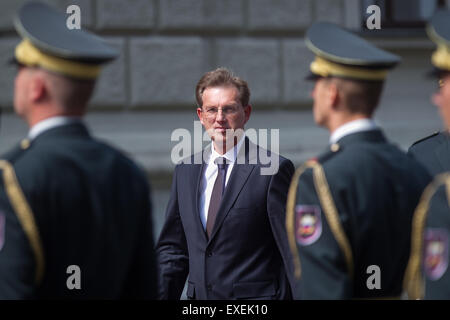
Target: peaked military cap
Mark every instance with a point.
(339, 53)
(438, 29)
(49, 43)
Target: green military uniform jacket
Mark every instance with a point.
(433, 152)
(427, 276)
(68, 200)
(349, 212)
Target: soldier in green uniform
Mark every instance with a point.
(434, 151)
(75, 214)
(349, 210)
(427, 276)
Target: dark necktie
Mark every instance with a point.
(216, 195)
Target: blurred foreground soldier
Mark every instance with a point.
(349, 211)
(225, 221)
(75, 215)
(434, 151)
(427, 275)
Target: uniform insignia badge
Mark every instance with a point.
(436, 253)
(335, 147)
(2, 229)
(308, 224)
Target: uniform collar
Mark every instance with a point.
(353, 127)
(51, 123)
(368, 136)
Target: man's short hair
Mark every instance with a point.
(70, 93)
(361, 96)
(222, 77)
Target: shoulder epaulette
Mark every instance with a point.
(425, 138)
(333, 149)
(24, 214)
(16, 152)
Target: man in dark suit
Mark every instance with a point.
(75, 214)
(224, 226)
(349, 210)
(428, 276)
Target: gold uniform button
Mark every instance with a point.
(25, 144)
(334, 147)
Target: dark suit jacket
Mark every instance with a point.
(433, 152)
(89, 206)
(247, 256)
(374, 189)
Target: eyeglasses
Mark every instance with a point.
(440, 84)
(211, 112)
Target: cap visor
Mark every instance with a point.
(13, 61)
(436, 73)
(312, 77)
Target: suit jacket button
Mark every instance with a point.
(209, 253)
(209, 287)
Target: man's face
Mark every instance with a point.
(321, 103)
(442, 99)
(222, 112)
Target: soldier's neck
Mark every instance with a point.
(39, 114)
(340, 120)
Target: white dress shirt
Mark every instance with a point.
(210, 175)
(352, 127)
(50, 123)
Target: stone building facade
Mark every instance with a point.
(166, 45)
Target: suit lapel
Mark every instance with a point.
(442, 153)
(238, 178)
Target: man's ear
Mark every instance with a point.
(200, 115)
(38, 88)
(247, 111)
(436, 99)
(333, 94)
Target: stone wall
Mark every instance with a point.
(166, 45)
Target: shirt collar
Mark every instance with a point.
(50, 123)
(352, 127)
(230, 155)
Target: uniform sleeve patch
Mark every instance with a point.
(2, 230)
(308, 224)
(436, 253)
